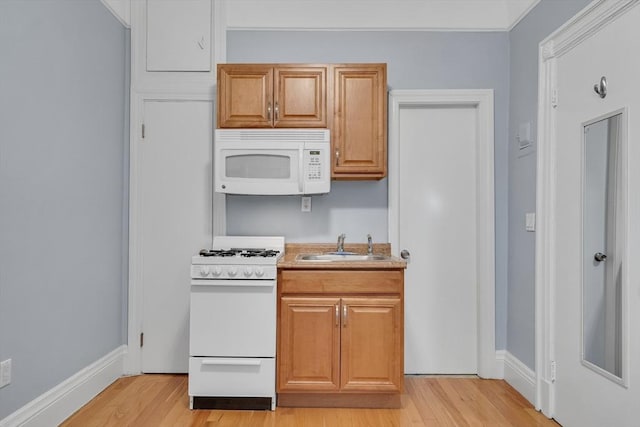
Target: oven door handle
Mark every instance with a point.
(234, 283)
(232, 362)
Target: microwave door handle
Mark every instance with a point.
(301, 169)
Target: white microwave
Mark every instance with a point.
(272, 161)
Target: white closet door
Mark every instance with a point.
(438, 226)
(174, 166)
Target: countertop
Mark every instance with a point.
(292, 250)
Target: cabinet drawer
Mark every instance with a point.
(232, 377)
(341, 281)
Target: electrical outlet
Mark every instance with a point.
(5, 373)
(306, 204)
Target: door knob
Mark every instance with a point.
(404, 254)
(599, 256)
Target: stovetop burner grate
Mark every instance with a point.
(247, 253)
(265, 253)
(219, 252)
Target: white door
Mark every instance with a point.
(437, 216)
(174, 203)
(597, 384)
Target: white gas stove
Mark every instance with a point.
(232, 343)
(238, 257)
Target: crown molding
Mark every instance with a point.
(378, 15)
(121, 9)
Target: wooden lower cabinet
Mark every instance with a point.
(341, 348)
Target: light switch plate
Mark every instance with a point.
(530, 221)
(524, 135)
(5, 373)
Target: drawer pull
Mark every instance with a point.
(344, 315)
(231, 362)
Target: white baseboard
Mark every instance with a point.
(57, 404)
(499, 366)
(520, 377)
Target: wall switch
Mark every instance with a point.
(530, 221)
(306, 204)
(5, 373)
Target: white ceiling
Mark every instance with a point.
(457, 15)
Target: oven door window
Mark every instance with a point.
(258, 166)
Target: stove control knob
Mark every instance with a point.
(232, 271)
(259, 271)
(204, 271)
(217, 271)
(247, 271)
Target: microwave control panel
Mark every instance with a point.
(313, 165)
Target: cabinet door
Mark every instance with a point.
(359, 131)
(372, 340)
(245, 96)
(301, 99)
(178, 35)
(309, 348)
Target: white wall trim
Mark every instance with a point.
(583, 25)
(482, 100)
(520, 377)
(522, 15)
(499, 367)
(121, 9)
(219, 57)
(57, 404)
(381, 15)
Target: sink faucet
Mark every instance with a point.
(340, 247)
(369, 244)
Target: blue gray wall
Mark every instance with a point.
(63, 251)
(415, 60)
(524, 39)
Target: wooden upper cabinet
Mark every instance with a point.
(268, 95)
(359, 131)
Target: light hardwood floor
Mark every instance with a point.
(161, 400)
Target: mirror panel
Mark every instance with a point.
(602, 244)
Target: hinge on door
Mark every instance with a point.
(143, 131)
(554, 98)
(552, 371)
(141, 339)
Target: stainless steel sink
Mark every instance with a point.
(342, 257)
